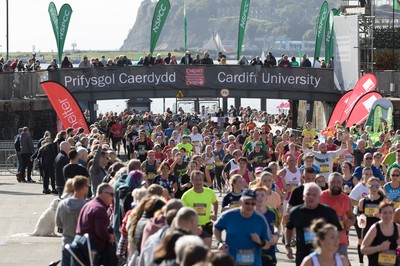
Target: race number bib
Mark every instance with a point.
(309, 236)
(209, 167)
(324, 168)
(370, 209)
(200, 208)
(195, 143)
(234, 204)
(151, 175)
(245, 257)
(387, 258)
(397, 204)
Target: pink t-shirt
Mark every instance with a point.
(246, 175)
(341, 205)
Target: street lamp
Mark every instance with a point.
(7, 29)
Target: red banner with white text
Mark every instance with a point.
(65, 105)
(338, 111)
(361, 109)
(364, 85)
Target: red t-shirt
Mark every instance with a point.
(117, 130)
(341, 205)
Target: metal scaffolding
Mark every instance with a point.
(366, 27)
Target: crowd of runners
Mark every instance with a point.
(145, 189)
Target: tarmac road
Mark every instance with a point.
(21, 204)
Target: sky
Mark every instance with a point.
(94, 25)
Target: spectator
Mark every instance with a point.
(305, 62)
(59, 163)
(294, 62)
(206, 59)
(66, 63)
(187, 59)
(285, 63)
(26, 152)
(67, 214)
(85, 63)
(93, 220)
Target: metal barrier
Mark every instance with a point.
(8, 157)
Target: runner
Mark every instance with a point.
(244, 243)
(202, 199)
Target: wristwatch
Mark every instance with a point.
(220, 242)
(287, 245)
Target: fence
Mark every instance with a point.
(8, 159)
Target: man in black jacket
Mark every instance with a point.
(305, 62)
(59, 163)
(26, 152)
(46, 155)
(206, 60)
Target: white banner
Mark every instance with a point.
(346, 58)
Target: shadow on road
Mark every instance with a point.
(19, 193)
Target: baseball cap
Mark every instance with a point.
(258, 170)
(249, 194)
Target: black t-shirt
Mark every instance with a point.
(359, 155)
(165, 183)
(182, 180)
(142, 147)
(231, 199)
(72, 170)
(301, 218)
(261, 156)
(242, 139)
(297, 196)
(132, 134)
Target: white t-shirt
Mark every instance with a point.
(292, 179)
(357, 193)
(197, 139)
(325, 161)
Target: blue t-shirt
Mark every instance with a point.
(393, 194)
(168, 133)
(375, 171)
(316, 168)
(238, 230)
(271, 215)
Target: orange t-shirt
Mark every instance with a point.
(341, 205)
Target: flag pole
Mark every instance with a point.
(184, 26)
(394, 63)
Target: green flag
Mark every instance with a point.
(63, 22)
(244, 12)
(329, 36)
(321, 21)
(159, 18)
(54, 21)
(396, 4)
(184, 26)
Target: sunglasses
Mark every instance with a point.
(376, 187)
(252, 203)
(395, 175)
(368, 158)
